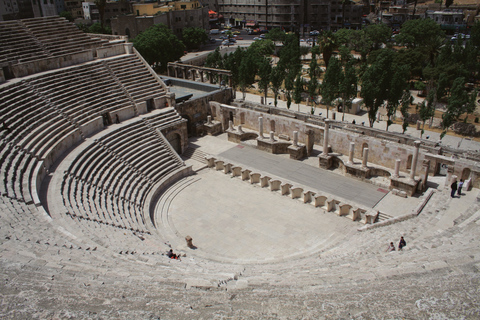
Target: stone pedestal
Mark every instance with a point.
(404, 184)
(275, 146)
(325, 161)
(297, 152)
(213, 128)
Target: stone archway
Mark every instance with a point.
(465, 174)
(175, 141)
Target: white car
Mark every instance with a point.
(225, 43)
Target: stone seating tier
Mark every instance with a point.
(109, 181)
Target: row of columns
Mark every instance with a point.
(352, 149)
(193, 72)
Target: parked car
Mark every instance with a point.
(232, 40)
(262, 36)
(236, 32)
(314, 33)
(225, 43)
(257, 38)
(239, 38)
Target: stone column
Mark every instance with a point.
(201, 76)
(272, 136)
(325, 137)
(397, 168)
(365, 158)
(426, 167)
(295, 138)
(414, 160)
(209, 119)
(260, 127)
(230, 125)
(192, 72)
(351, 151)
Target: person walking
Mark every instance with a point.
(460, 186)
(454, 189)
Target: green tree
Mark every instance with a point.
(330, 87)
(407, 100)
(158, 45)
(194, 37)
(426, 109)
(313, 73)
(262, 48)
(247, 71)
(376, 83)
(276, 35)
(348, 80)
(290, 62)
(264, 72)
(459, 102)
(232, 62)
(297, 91)
(97, 28)
(398, 84)
(101, 4)
(67, 15)
(328, 44)
(276, 79)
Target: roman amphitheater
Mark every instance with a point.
(106, 166)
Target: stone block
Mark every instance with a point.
(227, 168)
(264, 181)
(236, 171)
(219, 165)
(321, 201)
(255, 178)
(275, 185)
(296, 192)
(246, 174)
(210, 161)
(308, 196)
(285, 188)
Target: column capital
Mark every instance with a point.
(417, 143)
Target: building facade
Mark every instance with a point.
(131, 25)
(296, 15)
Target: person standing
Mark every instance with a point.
(460, 186)
(402, 243)
(454, 189)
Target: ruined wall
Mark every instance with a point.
(384, 147)
(197, 110)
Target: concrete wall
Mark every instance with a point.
(115, 50)
(31, 67)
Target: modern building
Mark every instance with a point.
(23, 9)
(112, 9)
(448, 19)
(133, 24)
(298, 15)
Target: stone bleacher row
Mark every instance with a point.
(39, 112)
(109, 181)
(39, 38)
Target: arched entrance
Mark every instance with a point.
(175, 141)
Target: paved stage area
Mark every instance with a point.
(231, 220)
